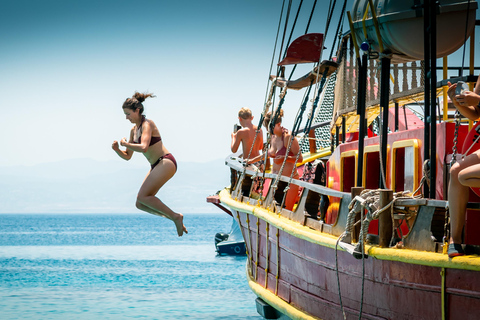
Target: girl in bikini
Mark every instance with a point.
(278, 146)
(465, 173)
(145, 138)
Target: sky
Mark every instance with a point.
(68, 66)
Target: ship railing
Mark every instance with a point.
(308, 205)
(310, 202)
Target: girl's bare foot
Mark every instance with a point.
(179, 224)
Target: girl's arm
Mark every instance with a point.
(467, 103)
(145, 141)
(255, 159)
(127, 154)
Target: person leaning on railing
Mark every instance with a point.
(464, 173)
(278, 147)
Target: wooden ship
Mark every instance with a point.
(369, 241)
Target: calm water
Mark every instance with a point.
(119, 267)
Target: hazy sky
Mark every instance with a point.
(67, 67)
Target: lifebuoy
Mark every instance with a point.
(472, 144)
(237, 249)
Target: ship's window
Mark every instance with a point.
(405, 165)
(372, 170)
(348, 169)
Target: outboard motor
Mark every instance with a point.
(219, 237)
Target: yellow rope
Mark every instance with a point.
(278, 264)
(443, 292)
(258, 247)
(375, 23)
(355, 44)
(247, 244)
(266, 256)
(249, 238)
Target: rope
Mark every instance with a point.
(331, 8)
(382, 167)
(443, 295)
(273, 120)
(457, 113)
(245, 164)
(278, 263)
(369, 200)
(249, 242)
(266, 254)
(338, 278)
(465, 39)
(293, 28)
(306, 130)
(339, 26)
(311, 15)
(258, 248)
(363, 275)
(446, 233)
(273, 55)
(284, 33)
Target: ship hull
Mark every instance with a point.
(297, 272)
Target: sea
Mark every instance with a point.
(119, 266)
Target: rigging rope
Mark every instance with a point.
(465, 39)
(339, 26)
(293, 28)
(284, 33)
(331, 8)
(311, 15)
(274, 50)
(457, 113)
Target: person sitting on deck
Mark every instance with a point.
(247, 135)
(278, 147)
(465, 173)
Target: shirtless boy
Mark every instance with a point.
(246, 136)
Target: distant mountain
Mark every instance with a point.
(89, 186)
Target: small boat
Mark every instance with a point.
(231, 243)
(375, 249)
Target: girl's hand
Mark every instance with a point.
(115, 145)
(451, 91)
(469, 98)
(123, 142)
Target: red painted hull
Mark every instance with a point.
(307, 280)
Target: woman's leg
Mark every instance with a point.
(463, 174)
(291, 197)
(147, 201)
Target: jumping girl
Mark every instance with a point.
(145, 138)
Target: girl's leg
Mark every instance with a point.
(146, 198)
(463, 174)
(291, 197)
(150, 210)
